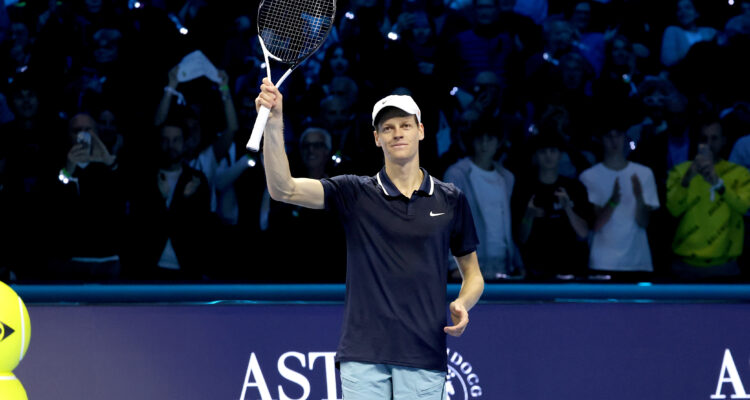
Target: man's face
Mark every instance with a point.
(485, 146)
(581, 16)
(621, 54)
(338, 62)
(548, 158)
(172, 145)
(686, 13)
(336, 113)
(486, 12)
(399, 137)
(613, 142)
(26, 104)
(314, 151)
(712, 136)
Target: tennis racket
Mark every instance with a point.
(289, 31)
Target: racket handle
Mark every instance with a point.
(260, 124)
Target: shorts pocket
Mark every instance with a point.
(432, 390)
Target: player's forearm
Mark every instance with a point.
(472, 285)
(471, 289)
(276, 163)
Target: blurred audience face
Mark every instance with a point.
(613, 142)
(581, 17)
(338, 62)
(421, 30)
(485, 12)
(315, 149)
(573, 71)
(172, 146)
(485, 146)
(620, 51)
(559, 36)
(686, 13)
(25, 104)
(336, 112)
(713, 136)
(344, 87)
(19, 33)
(547, 158)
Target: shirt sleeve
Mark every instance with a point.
(464, 238)
(339, 193)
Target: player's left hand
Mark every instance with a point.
(460, 318)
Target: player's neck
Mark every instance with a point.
(406, 177)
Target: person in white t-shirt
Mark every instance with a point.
(623, 194)
(488, 187)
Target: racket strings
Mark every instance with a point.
(293, 29)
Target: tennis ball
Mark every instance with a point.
(11, 388)
(15, 329)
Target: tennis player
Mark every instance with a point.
(400, 226)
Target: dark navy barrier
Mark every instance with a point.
(525, 341)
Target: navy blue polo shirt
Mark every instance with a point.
(397, 261)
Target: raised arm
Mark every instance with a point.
(281, 185)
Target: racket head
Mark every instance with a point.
(292, 30)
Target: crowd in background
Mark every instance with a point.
(596, 140)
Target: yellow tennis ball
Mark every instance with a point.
(15, 329)
(11, 388)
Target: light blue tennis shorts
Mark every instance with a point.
(365, 381)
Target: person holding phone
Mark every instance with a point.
(709, 196)
(89, 208)
(551, 215)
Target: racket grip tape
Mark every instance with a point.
(260, 124)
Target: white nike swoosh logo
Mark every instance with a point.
(432, 214)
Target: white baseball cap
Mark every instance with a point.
(402, 102)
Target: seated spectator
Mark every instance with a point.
(488, 187)
(623, 194)
(91, 203)
(708, 195)
(551, 216)
(169, 212)
(679, 38)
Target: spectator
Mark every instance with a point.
(309, 229)
(169, 211)
(679, 38)
(623, 194)
(551, 216)
(91, 207)
(708, 195)
(589, 41)
(203, 151)
(488, 187)
(482, 48)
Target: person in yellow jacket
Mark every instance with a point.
(709, 195)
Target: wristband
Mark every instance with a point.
(612, 204)
(224, 88)
(65, 177)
